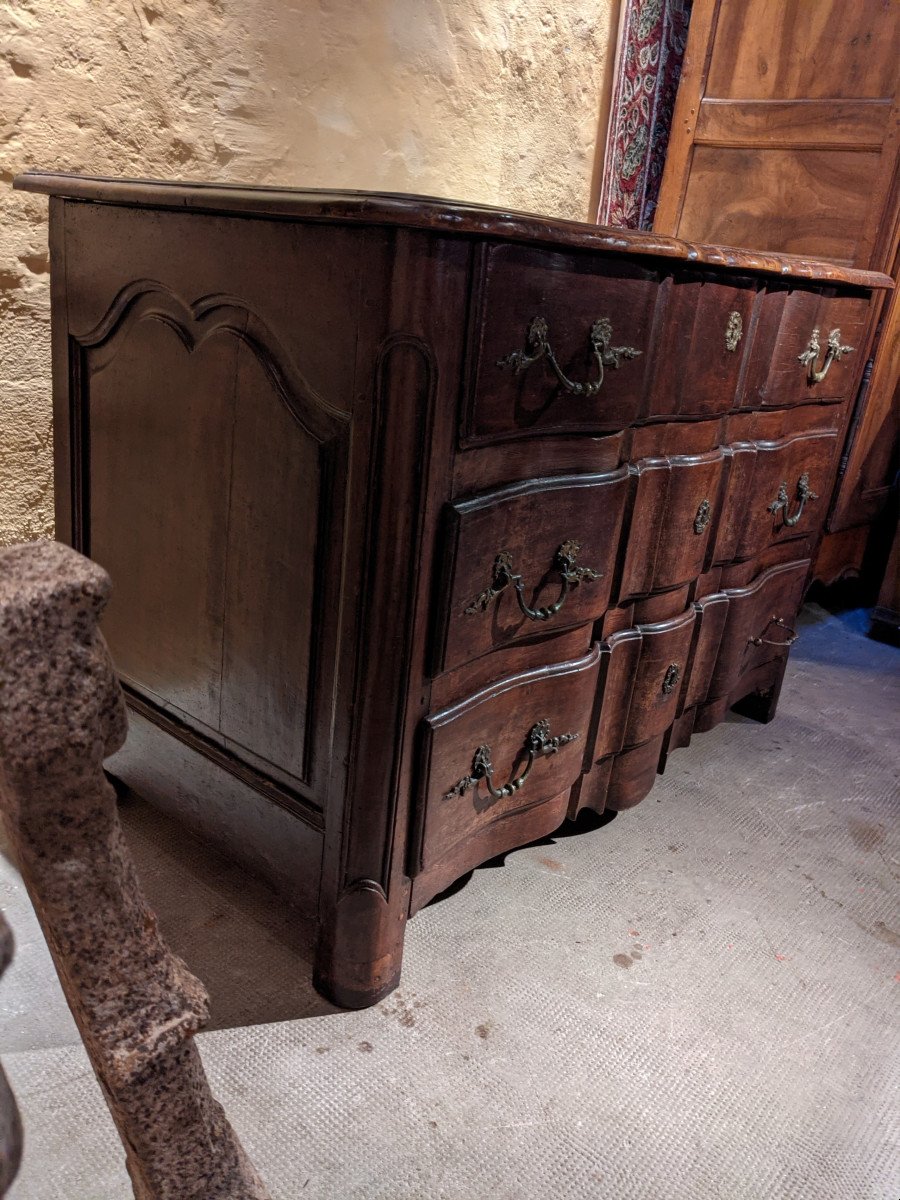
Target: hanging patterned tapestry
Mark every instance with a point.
(650, 53)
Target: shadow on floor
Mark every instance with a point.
(842, 637)
(252, 950)
(586, 821)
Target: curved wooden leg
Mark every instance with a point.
(360, 948)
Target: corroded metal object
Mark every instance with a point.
(538, 744)
(671, 677)
(537, 346)
(834, 353)
(565, 563)
(781, 501)
(10, 1123)
(136, 1004)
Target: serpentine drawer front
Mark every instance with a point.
(759, 625)
(430, 524)
(531, 556)
(500, 755)
(677, 503)
(777, 492)
(816, 348)
(702, 344)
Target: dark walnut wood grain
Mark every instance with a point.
(706, 329)
(677, 501)
(524, 388)
(402, 579)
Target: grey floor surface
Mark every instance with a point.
(697, 1001)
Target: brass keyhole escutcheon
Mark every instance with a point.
(702, 518)
(734, 331)
(671, 677)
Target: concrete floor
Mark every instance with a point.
(696, 1001)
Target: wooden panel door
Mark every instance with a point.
(785, 131)
(220, 601)
(870, 459)
(785, 138)
(210, 477)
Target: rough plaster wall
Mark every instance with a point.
(487, 100)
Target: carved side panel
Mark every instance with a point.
(211, 487)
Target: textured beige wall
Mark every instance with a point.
(487, 100)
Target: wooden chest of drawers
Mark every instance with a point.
(430, 525)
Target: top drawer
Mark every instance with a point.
(559, 343)
(808, 346)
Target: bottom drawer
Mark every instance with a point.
(495, 757)
(645, 679)
(758, 627)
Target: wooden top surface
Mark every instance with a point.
(426, 212)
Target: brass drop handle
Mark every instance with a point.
(538, 744)
(565, 562)
(781, 501)
(537, 346)
(834, 353)
(763, 641)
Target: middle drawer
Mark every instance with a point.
(525, 558)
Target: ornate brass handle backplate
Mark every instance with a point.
(781, 501)
(538, 744)
(537, 346)
(834, 353)
(564, 560)
(764, 641)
